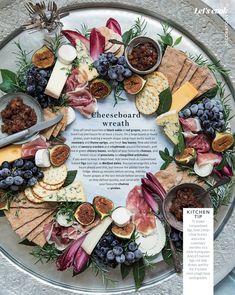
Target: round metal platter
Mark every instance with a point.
(17, 265)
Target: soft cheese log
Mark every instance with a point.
(66, 55)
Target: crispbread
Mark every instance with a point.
(199, 76)
(54, 175)
(21, 201)
(32, 197)
(157, 80)
(190, 73)
(147, 101)
(65, 118)
(19, 216)
(36, 231)
(40, 240)
(186, 67)
(208, 84)
(48, 115)
(172, 63)
(28, 227)
(41, 192)
(51, 187)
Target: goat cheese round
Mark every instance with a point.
(42, 159)
(121, 216)
(71, 115)
(66, 54)
(63, 219)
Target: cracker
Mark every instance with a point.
(40, 240)
(21, 201)
(51, 187)
(157, 80)
(199, 76)
(65, 118)
(32, 197)
(147, 101)
(208, 84)
(48, 115)
(171, 65)
(41, 192)
(190, 73)
(186, 67)
(54, 175)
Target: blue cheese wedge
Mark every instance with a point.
(85, 62)
(71, 193)
(171, 126)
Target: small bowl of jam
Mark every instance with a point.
(143, 55)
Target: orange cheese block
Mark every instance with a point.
(183, 96)
(10, 153)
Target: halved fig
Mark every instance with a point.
(103, 206)
(100, 88)
(187, 157)
(85, 214)
(124, 232)
(134, 84)
(222, 142)
(43, 58)
(59, 154)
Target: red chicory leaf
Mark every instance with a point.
(227, 171)
(73, 36)
(97, 43)
(154, 180)
(81, 260)
(114, 25)
(149, 199)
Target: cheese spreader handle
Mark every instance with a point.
(13, 138)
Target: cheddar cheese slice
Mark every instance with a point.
(10, 153)
(183, 96)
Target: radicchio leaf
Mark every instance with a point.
(73, 36)
(81, 260)
(97, 43)
(114, 25)
(149, 199)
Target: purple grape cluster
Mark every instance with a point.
(111, 251)
(177, 237)
(112, 68)
(209, 112)
(36, 81)
(18, 175)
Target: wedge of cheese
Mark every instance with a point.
(85, 62)
(170, 123)
(71, 193)
(183, 96)
(10, 153)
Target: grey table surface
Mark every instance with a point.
(23, 284)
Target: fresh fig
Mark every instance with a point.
(100, 88)
(222, 142)
(124, 232)
(85, 214)
(187, 157)
(103, 206)
(134, 84)
(59, 154)
(43, 58)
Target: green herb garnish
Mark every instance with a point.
(47, 253)
(71, 175)
(118, 91)
(165, 98)
(55, 43)
(166, 157)
(85, 31)
(166, 39)
(68, 209)
(138, 29)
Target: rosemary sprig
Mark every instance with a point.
(7, 195)
(118, 91)
(55, 43)
(62, 101)
(68, 209)
(214, 67)
(24, 63)
(166, 38)
(85, 31)
(100, 270)
(138, 29)
(47, 253)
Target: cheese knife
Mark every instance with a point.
(30, 131)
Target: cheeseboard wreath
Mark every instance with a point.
(46, 204)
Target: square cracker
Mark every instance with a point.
(199, 76)
(48, 115)
(172, 63)
(208, 84)
(190, 73)
(184, 71)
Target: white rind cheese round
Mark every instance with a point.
(66, 54)
(71, 115)
(203, 170)
(42, 159)
(121, 216)
(62, 219)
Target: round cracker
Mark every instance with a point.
(147, 101)
(31, 197)
(51, 187)
(54, 175)
(41, 192)
(157, 80)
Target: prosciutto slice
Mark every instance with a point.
(191, 124)
(83, 101)
(30, 148)
(208, 158)
(199, 142)
(77, 80)
(143, 217)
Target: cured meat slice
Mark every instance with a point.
(28, 227)
(143, 217)
(200, 143)
(190, 124)
(83, 101)
(172, 63)
(208, 158)
(29, 149)
(77, 80)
